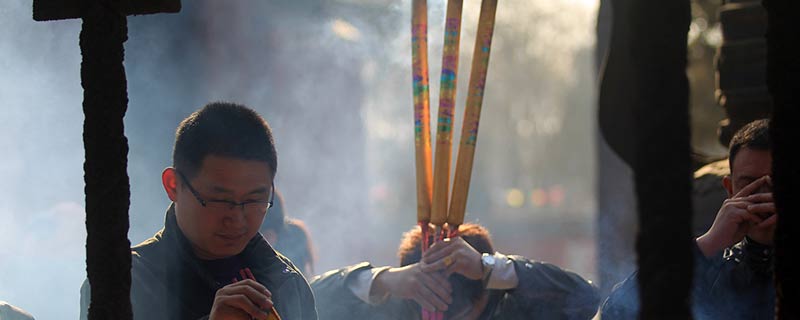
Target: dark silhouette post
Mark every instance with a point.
(661, 158)
(616, 204)
(783, 81)
(105, 101)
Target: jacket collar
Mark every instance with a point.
(258, 255)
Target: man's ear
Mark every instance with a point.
(728, 184)
(170, 181)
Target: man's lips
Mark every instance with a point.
(231, 236)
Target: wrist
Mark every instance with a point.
(487, 266)
(382, 284)
(707, 245)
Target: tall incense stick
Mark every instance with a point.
(469, 130)
(447, 102)
(422, 130)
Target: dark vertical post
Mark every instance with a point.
(662, 163)
(105, 100)
(616, 205)
(783, 81)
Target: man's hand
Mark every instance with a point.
(453, 255)
(431, 290)
(246, 299)
(763, 205)
(740, 215)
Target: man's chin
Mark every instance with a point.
(222, 251)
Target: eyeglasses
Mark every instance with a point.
(250, 206)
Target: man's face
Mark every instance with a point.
(220, 233)
(749, 165)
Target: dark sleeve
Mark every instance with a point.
(334, 298)
(546, 291)
(623, 302)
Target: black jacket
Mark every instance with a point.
(544, 291)
(169, 282)
(736, 285)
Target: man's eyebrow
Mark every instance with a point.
(259, 190)
(219, 189)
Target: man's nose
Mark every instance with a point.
(235, 215)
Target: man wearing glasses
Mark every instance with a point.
(209, 261)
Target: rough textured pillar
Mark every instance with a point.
(783, 80)
(105, 100)
(661, 162)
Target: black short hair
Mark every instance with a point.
(754, 135)
(223, 129)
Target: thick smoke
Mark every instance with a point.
(333, 79)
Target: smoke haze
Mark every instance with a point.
(333, 79)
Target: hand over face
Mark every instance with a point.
(453, 255)
(246, 299)
(431, 290)
(747, 212)
(763, 205)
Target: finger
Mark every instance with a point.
(752, 187)
(438, 251)
(243, 303)
(251, 292)
(771, 221)
(739, 203)
(430, 300)
(745, 216)
(441, 279)
(255, 285)
(761, 208)
(435, 266)
(437, 288)
(760, 197)
(451, 270)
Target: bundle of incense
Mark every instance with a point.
(435, 210)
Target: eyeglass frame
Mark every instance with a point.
(233, 204)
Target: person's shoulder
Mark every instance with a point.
(286, 263)
(148, 246)
(10, 312)
(623, 302)
(340, 273)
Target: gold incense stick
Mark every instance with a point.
(469, 130)
(447, 102)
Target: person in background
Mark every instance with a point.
(733, 277)
(289, 236)
(463, 276)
